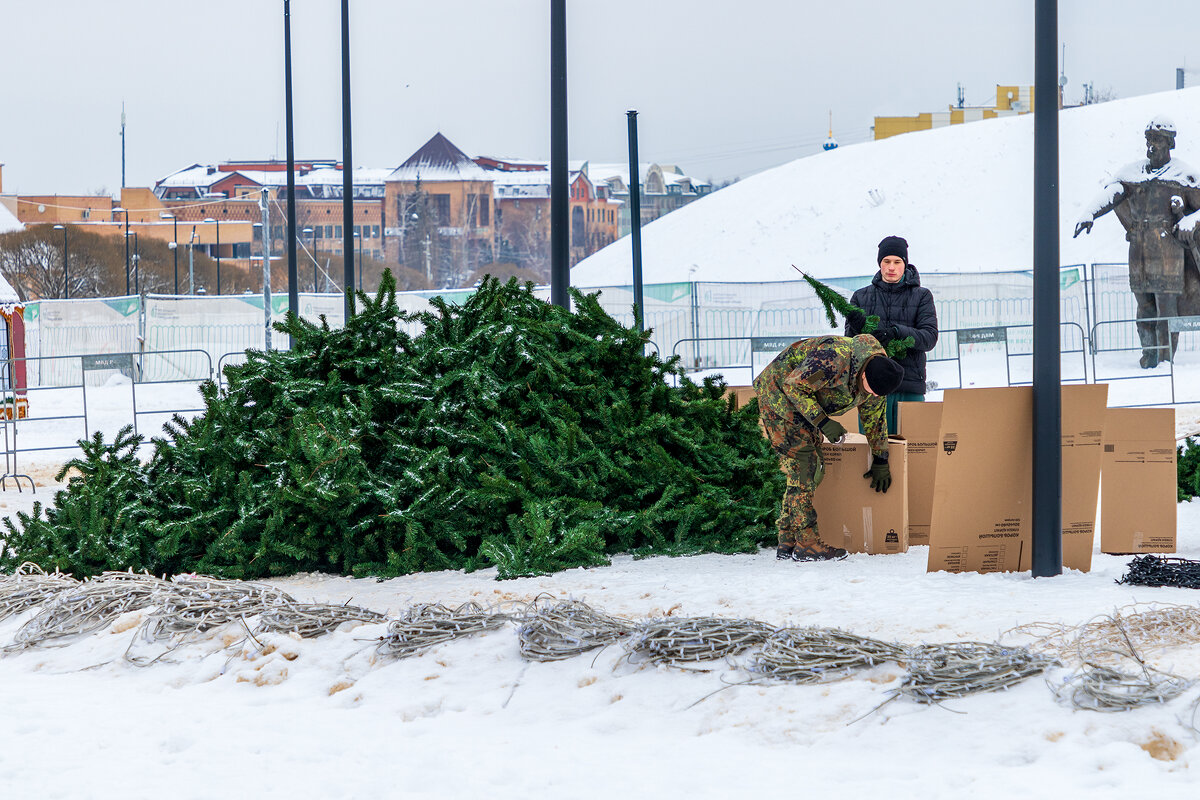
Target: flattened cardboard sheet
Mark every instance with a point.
(983, 481)
(1140, 483)
(920, 424)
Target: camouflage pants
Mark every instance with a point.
(798, 518)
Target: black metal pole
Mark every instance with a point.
(635, 220)
(560, 219)
(66, 266)
(126, 237)
(347, 165)
(1047, 368)
(293, 278)
(218, 254)
(175, 249)
(137, 268)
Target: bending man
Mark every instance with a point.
(809, 382)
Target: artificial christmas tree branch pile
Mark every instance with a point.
(509, 432)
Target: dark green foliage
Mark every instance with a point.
(97, 523)
(835, 302)
(1188, 470)
(510, 432)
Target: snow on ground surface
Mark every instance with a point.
(961, 195)
(329, 718)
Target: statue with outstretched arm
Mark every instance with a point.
(1157, 201)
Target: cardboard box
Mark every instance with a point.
(1139, 496)
(850, 513)
(741, 394)
(920, 424)
(1084, 414)
(983, 481)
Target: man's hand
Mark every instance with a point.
(880, 474)
(885, 335)
(856, 320)
(833, 430)
(1083, 226)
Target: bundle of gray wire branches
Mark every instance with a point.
(428, 624)
(1108, 653)
(693, 639)
(553, 631)
(30, 586)
(939, 672)
(550, 630)
(813, 655)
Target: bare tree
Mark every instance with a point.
(33, 261)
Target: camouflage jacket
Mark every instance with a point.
(816, 377)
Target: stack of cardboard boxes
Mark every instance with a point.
(963, 481)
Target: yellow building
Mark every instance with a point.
(1010, 101)
(438, 205)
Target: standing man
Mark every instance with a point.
(809, 382)
(1156, 200)
(905, 308)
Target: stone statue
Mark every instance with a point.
(1157, 200)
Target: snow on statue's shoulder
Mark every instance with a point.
(1175, 170)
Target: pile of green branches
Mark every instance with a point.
(1187, 468)
(510, 432)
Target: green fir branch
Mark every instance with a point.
(835, 303)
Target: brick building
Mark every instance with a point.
(439, 207)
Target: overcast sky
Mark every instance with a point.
(723, 89)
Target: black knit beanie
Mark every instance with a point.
(884, 375)
(892, 246)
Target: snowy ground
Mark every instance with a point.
(328, 718)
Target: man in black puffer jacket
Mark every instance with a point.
(905, 308)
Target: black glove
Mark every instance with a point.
(880, 474)
(833, 430)
(855, 321)
(885, 335)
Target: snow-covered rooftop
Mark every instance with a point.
(327, 176)
(8, 221)
(439, 160)
(195, 175)
(8, 295)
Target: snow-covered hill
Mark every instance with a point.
(961, 195)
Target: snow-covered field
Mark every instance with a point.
(961, 195)
(329, 718)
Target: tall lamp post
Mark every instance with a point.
(312, 241)
(192, 262)
(136, 271)
(347, 165)
(257, 231)
(119, 210)
(218, 224)
(358, 238)
(66, 285)
(174, 244)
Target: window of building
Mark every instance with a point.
(374, 231)
(578, 228)
(337, 231)
(441, 208)
(484, 212)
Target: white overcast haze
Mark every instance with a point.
(723, 89)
